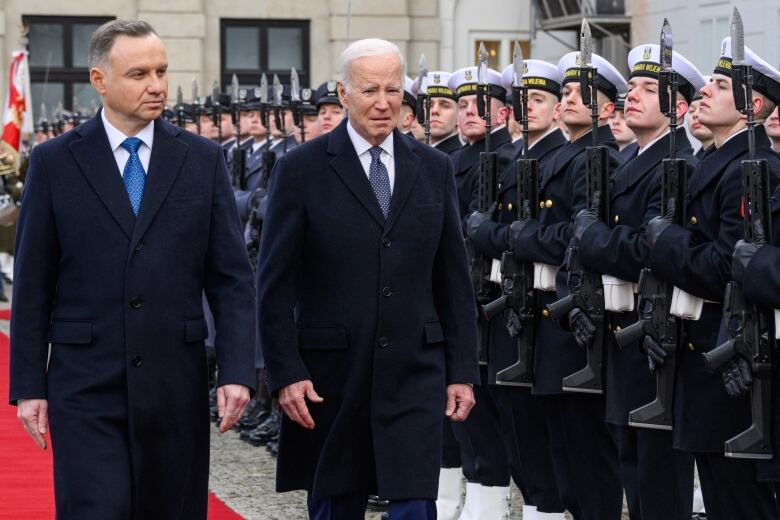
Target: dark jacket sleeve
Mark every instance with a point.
(702, 268)
(279, 264)
(37, 253)
(762, 277)
(453, 292)
(229, 287)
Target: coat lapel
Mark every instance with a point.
(714, 162)
(95, 158)
(549, 144)
(168, 155)
(407, 168)
(347, 165)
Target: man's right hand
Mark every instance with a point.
(34, 414)
(292, 399)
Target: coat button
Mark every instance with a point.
(500, 206)
(387, 291)
(541, 204)
(548, 203)
(135, 302)
(137, 360)
(617, 219)
(509, 206)
(545, 313)
(693, 220)
(139, 245)
(386, 242)
(384, 342)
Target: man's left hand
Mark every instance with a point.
(231, 401)
(743, 254)
(476, 219)
(460, 401)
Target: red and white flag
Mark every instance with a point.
(17, 110)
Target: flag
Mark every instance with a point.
(17, 110)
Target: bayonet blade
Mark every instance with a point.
(295, 86)
(737, 39)
(586, 44)
(482, 64)
(517, 65)
(179, 96)
(194, 90)
(278, 89)
(667, 46)
(263, 89)
(234, 89)
(422, 75)
(215, 93)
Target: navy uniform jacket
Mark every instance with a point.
(621, 250)
(252, 177)
(562, 193)
(697, 259)
(492, 239)
(119, 299)
(450, 145)
(629, 151)
(380, 315)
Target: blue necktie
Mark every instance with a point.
(134, 174)
(379, 179)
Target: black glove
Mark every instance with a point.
(257, 196)
(588, 216)
(658, 225)
(737, 376)
(513, 323)
(518, 225)
(581, 327)
(743, 253)
(476, 219)
(656, 355)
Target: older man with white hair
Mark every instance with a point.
(367, 316)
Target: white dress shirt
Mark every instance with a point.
(116, 138)
(362, 146)
(651, 143)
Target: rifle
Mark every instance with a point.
(296, 106)
(216, 111)
(586, 290)
(655, 295)
(197, 104)
(750, 326)
(179, 108)
(518, 297)
(237, 97)
(423, 99)
(279, 110)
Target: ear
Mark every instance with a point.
(503, 114)
(342, 91)
(557, 112)
(758, 104)
(682, 108)
(607, 109)
(98, 78)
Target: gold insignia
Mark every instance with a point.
(467, 74)
(525, 68)
(646, 53)
(693, 220)
(437, 78)
(723, 49)
(578, 60)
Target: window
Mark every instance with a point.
(58, 61)
(500, 51)
(713, 30)
(250, 47)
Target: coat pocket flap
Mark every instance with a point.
(322, 338)
(76, 332)
(433, 332)
(195, 330)
(187, 201)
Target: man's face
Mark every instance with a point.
(573, 112)
(255, 123)
(373, 96)
(772, 125)
(191, 127)
(642, 108)
(699, 131)
(134, 80)
(227, 126)
(311, 125)
(541, 110)
(207, 127)
(444, 117)
(405, 119)
(716, 108)
(470, 124)
(329, 117)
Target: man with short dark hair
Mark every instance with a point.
(125, 222)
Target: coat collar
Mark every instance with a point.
(567, 153)
(469, 155)
(347, 165)
(547, 146)
(96, 160)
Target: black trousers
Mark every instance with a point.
(450, 455)
(657, 479)
(731, 489)
(481, 443)
(528, 442)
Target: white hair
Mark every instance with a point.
(363, 49)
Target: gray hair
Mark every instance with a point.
(363, 49)
(104, 37)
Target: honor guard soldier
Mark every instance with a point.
(483, 454)
(625, 138)
(444, 112)
(619, 251)
(696, 129)
(408, 118)
(283, 130)
(697, 259)
(581, 442)
(330, 111)
(309, 114)
(533, 467)
(772, 126)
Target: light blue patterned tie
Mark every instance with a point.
(134, 174)
(379, 179)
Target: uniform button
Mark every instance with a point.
(548, 203)
(384, 342)
(618, 328)
(693, 220)
(509, 206)
(617, 219)
(387, 291)
(541, 204)
(386, 242)
(545, 313)
(136, 302)
(500, 206)
(690, 346)
(137, 360)
(139, 245)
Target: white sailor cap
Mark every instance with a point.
(766, 78)
(463, 82)
(537, 74)
(409, 97)
(645, 60)
(608, 78)
(437, 85)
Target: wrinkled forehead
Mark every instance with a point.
(383, 69)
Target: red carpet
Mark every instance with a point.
(26, 488)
